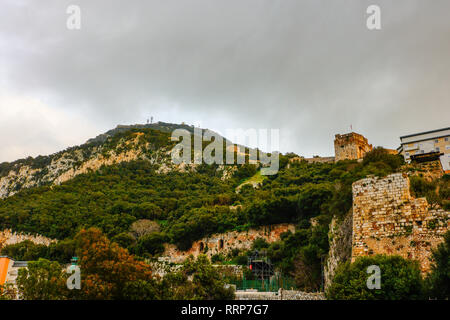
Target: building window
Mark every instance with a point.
(446, 138)
(437, 149)
(407, 154)
(436, 141)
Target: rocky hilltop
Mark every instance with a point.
(123, 144)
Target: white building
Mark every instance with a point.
(435, 143)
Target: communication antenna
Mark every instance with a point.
(151, 119)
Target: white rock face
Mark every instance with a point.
(68, 164)
(8, 237)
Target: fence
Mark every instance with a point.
(266, 285)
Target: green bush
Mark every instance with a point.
(152, 243)
(438, 281)
(400, 280)
(381, 155)
(124, 239)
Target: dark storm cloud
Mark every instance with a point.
(309, 68)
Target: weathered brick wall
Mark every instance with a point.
(223, 243)
(388, 220)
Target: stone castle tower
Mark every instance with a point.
(351, 146)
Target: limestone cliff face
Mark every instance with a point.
(223, 243)
(66, 165)
(340, 239)
(8, 237)
(105, 150)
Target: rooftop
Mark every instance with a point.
(425, 132)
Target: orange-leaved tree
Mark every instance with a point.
(105, 267)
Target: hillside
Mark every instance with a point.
(124, 184)
(120, 185)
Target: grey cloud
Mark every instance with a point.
(309, 68)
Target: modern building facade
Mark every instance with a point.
(428, 144)
(9, 269)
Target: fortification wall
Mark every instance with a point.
(388, 220)
(223, 243)
(280, 295)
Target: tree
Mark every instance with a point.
(42, 280)
(106, 268)
(25, 250)
(142, 290)
(8, 292)
(438, 281)
(400, 280)
(197, 280)
(307, 269)
(152, 243)
(143, 227)
(124, 239)
(379, 154)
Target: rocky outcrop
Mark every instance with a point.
(223, 243)
(340, 239)
(66, 165)
(8, 237)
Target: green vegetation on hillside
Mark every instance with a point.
(110, 272)
(186, 206)
(400, 279)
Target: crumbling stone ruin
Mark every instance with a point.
(350, 146)
(388, 220)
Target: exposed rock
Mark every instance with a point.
(340, 239)
(8, 237)
(225, 242)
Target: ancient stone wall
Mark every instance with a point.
(312, 160)
(340, 239)
(223, 243)
(280, 295)
(388, 220)
(351, 146)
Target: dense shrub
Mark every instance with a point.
(400, 280)
(438, 281)
(152, 244)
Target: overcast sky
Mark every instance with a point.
(309, 68)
